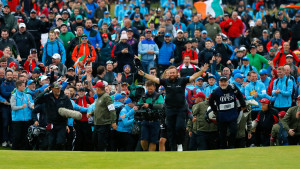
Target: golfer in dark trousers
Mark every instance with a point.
(176, 107)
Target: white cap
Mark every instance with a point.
(179, 30)
(22, 25)
(56, 56)
(252, 23)
(53, 67)
(44, 77)
(56, 30)
(243, 48)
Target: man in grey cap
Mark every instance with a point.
(56, 124)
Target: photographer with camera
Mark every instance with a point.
(176, 107)
(56, 124)
(153, 103)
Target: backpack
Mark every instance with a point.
(282, 135)
(180, 67)
(250, 67)
(286, 84)
(86, 98)
(90, 48)
(190, 97)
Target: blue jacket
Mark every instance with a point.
(18, 113)
(144, 10)
(147, 45)
(180, 26)
(266, 82)
(106, 52)
(284, 98)
(118, 104)
(258, 15)
(166, 52)
(93, 6)
(201, 88)
(125, 125)
(239, 86)
(118, 8)
(104, 20)
(258, 87)
(6, 89)
(121, 15)
(192, 26)
(94, 37)
(52, 48)
(180, 2)
(209, 89)
(246, 69)
(188, 13)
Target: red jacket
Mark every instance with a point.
(270, 88)
(83, 103)
(281, 58)
(30, 66)
(190, 53)
(258, 4)
(269, 44)
(222, 25)
(236, 29)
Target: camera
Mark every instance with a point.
(148, 114)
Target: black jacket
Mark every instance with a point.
(266, 120)
(178, 50)
(25, 42)
(225, 52)
(52, 105)
(36, 27)
(205, 56)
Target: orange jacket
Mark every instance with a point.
(84, 50)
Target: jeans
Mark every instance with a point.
(232, 128)
(20, 141)
(147, 65)
(57, 137)
(175, 121)
(6, 123)
(235, 41)
(102, 133)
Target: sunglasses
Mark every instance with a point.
(84, 37)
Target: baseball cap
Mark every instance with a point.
(148, 30)
(243, 48)
(56, 85)
(36, 70)
(43, 16)
(264, 100)
(223, 78)
(33, 50)
(33, 11)
(245, 58)
(238, 75)
(43, 77)
(199, 78)
(262, 7)
(71, 69)
(104, 35)
(189, 19)
(29, 82)
(211, 17)
(289, 56)
(272, 49)
(200, 95)
(187, 5)
(280, 13)
(284, 21)
(56, 56)
(119, 96)
(212, 76)
(136, 15)
(248, 6)
(81, 89)
(6, 6)
(59, 19)
(106, 12)
(204, 31)
(126, 15)
(99, 85)
(281, 114)
(78, 17)
(239, 50)
(20, 20)
(298, 97)
(235, 71)
(22, 25)
(179, 31)
(84, 35)
(167, 35)
(18, 7)
(142, 2)
(263, 72)
(128, 100)
(109, 62)
(129, 30)
(252, 46)
(65, 12)
(265, 31)
(56, 30)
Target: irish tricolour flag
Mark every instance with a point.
(78, 60)
(212, 7)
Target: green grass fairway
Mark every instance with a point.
(267, 157)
